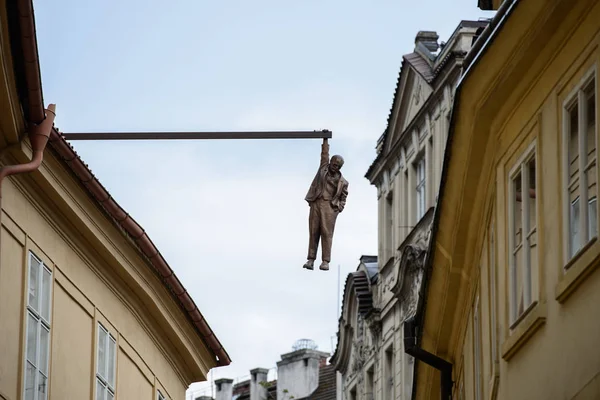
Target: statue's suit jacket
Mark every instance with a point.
(316, 187)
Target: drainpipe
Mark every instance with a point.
(38, 136)
(411, 348)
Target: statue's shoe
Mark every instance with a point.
(309, 265)
(324, 266)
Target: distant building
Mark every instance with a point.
(384, 290)
(302, 374)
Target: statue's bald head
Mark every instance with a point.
(336, 163)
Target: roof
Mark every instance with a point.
(420, 65)
(241, 391)
(325, 391)
(370, 263)
(327, 385)
(429, 73)
(359, 284)
(362, 291)
(25, 53)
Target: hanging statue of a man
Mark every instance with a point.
(326, 198)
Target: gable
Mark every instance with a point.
(416, 96)
(413, 91)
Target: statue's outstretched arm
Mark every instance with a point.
(324, 153)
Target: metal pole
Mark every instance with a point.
(338, 291)
(322, 134)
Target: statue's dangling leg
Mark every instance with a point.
(314, 235)
(328, 218)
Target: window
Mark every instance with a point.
(406, 215)
(106, 365)
(389, 224)
(389, 373)
(523, 234)
(37, 345)
(353, 393)
(420, 172)
(580, 169)
(369, 392)
(477, 351)
(159, 396)
(493, 299)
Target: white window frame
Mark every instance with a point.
(102, 376)
(41, 322)
(528, 273)
(577, 96)
(421, 187)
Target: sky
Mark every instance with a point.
(230, 216)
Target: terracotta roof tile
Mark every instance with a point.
(420, 65)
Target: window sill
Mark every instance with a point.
(577, 269)
(529, 323)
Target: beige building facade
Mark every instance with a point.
(383, 292)
(512, 287)
(89, 309)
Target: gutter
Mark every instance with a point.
(31, 65)
(475, 54)
(25, 55)
(411, 348)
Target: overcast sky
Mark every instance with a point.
(230, 217)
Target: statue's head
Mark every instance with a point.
(336, 164)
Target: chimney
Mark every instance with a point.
(429, 39)
(257, 381)
(298, 373)
(224, 389)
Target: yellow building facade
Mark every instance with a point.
(512, 290)
(89, 309)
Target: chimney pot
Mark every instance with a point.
(224, 389)
(429, 39)
(257, 390)
(298, 372)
